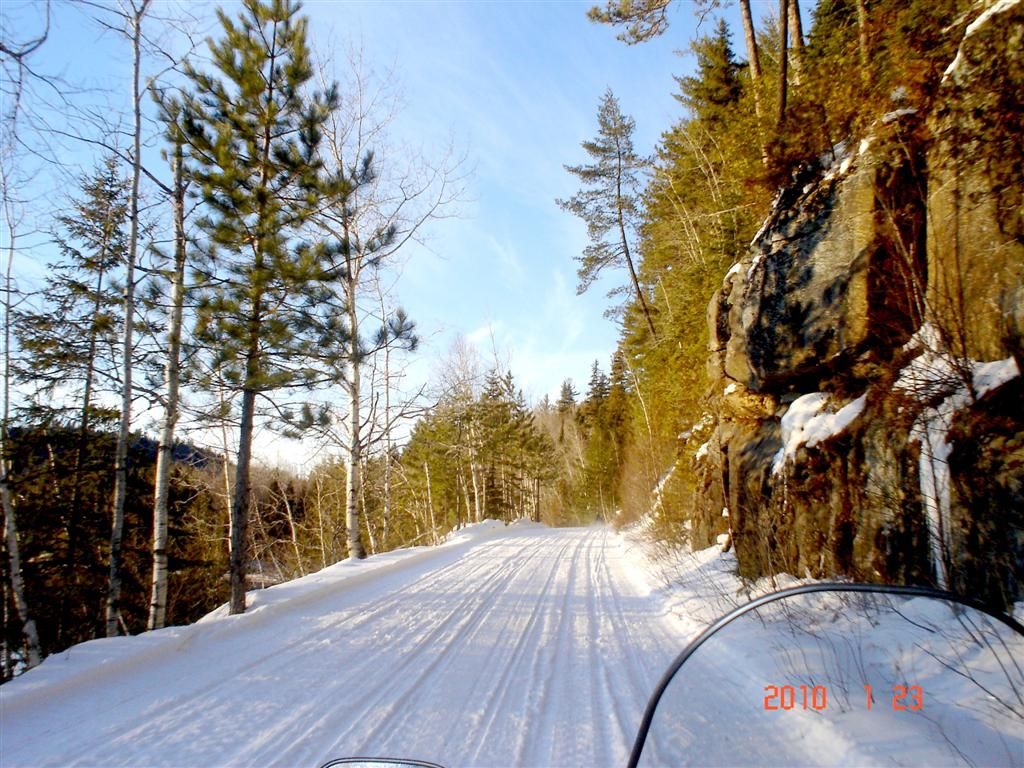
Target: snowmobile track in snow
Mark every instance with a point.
(519, 646)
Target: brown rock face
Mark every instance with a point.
(976, 192)
(891, 275)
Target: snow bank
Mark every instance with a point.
(352, 573)
(860, 651)
(85, 664)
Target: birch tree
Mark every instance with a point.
(32, 654)
(133, 17)
(387, 198)
(172, 379)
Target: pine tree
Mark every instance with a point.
(253, 135)
(609, 202)
(644, 19)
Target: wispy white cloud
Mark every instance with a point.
(483, 335)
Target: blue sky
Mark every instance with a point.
(517, 85)
(514, 86)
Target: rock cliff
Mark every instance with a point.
(866, 351)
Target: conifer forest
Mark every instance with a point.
(816, 280)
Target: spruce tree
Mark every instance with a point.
(599, 384)
(566, 397)
(69, 345)
(253, 132)
(713, 92)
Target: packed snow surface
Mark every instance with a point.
(523, 646)
(506, 646)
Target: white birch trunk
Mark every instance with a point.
(28, 624)
(294, 532)
(353, 480)
(121, 453)
(430, 505)
(386, 512)
(158, 599)
(371, 540)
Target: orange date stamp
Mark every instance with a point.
(905, 698)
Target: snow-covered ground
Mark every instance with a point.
(517, 646)
(505, 646)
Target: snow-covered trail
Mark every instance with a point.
(517, 646)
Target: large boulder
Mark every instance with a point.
(830, 280)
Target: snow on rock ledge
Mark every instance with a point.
(810, 420)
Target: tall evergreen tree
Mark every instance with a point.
(609, 201)
(70, 343)
(566, 397)
(253, 132)
(713, 91)
(599, 384)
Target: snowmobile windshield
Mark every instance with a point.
(377, 762)
(843, 675)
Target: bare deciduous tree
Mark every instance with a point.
(28, 625)
(388, 201)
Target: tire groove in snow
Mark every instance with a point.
(501, 690)
(647, 675)
(360, 672)
(568, 740)
(408, 691)
(612, 708)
